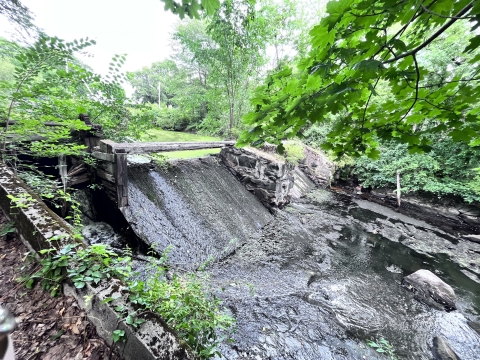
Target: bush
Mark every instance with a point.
(294, 152)
(447, 170)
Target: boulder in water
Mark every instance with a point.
(430, 289)
(442, 351)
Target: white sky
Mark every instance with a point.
(139, 28)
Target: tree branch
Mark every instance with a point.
(417, 70)
(434, 36)
(444, 16)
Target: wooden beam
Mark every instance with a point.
(105, 175)
(107, 146)
(103, 156)
(152, 147)
(121, 178)
(46, 123)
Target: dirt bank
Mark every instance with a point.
(50, 328)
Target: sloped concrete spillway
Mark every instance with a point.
(314, 282)
(197, 207)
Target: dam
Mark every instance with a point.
(317, 280)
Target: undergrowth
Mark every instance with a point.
(185, 301)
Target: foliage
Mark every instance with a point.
(21, 201)
(82, 265)
(8, 228)
(18, 14)
(192, 8)
(146, 82)
(185, 301)
(217, 61)
(294, 152)
(445, 170)
(357, 46)
(185, 305)
(118, 335)
(383, 346)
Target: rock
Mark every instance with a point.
(430, 289)
(470, 210)
(475, 325)
(317, 167)
(474, 238)
(269, 178)
(442, 351)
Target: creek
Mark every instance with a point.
(314, 284)
(316, 281)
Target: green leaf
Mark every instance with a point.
(118, 335)
(29, 283)
(210, 6)
(79, 285)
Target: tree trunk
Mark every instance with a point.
(232, 119)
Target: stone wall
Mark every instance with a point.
(266, 176)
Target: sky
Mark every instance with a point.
(138, 28)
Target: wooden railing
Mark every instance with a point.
(113, 170)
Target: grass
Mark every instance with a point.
(158, 135)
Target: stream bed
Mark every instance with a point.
(316, 281)
(324, 277)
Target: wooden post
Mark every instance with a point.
(62, 170)
(398, 188)
(121, 178)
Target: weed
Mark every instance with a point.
(8, 229)
(186, 301)
(383, 346)
(162, 161)
(118, 335)
(294, 152)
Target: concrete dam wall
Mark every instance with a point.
(195, 206)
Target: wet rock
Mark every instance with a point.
(302, 184)
(474, 238)
(317, 167)
(475, 325)
(84, 197)
(442, 351)
(430, 289)
(102, 233)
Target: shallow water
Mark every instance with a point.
(316, 284)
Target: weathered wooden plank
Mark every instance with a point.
(105, 175)
(75, 180)
(121, 178)
(103, 156)
(106, 166)
(142, 148)
(108, 185)
(107, 146)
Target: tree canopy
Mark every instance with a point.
(357, 46)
